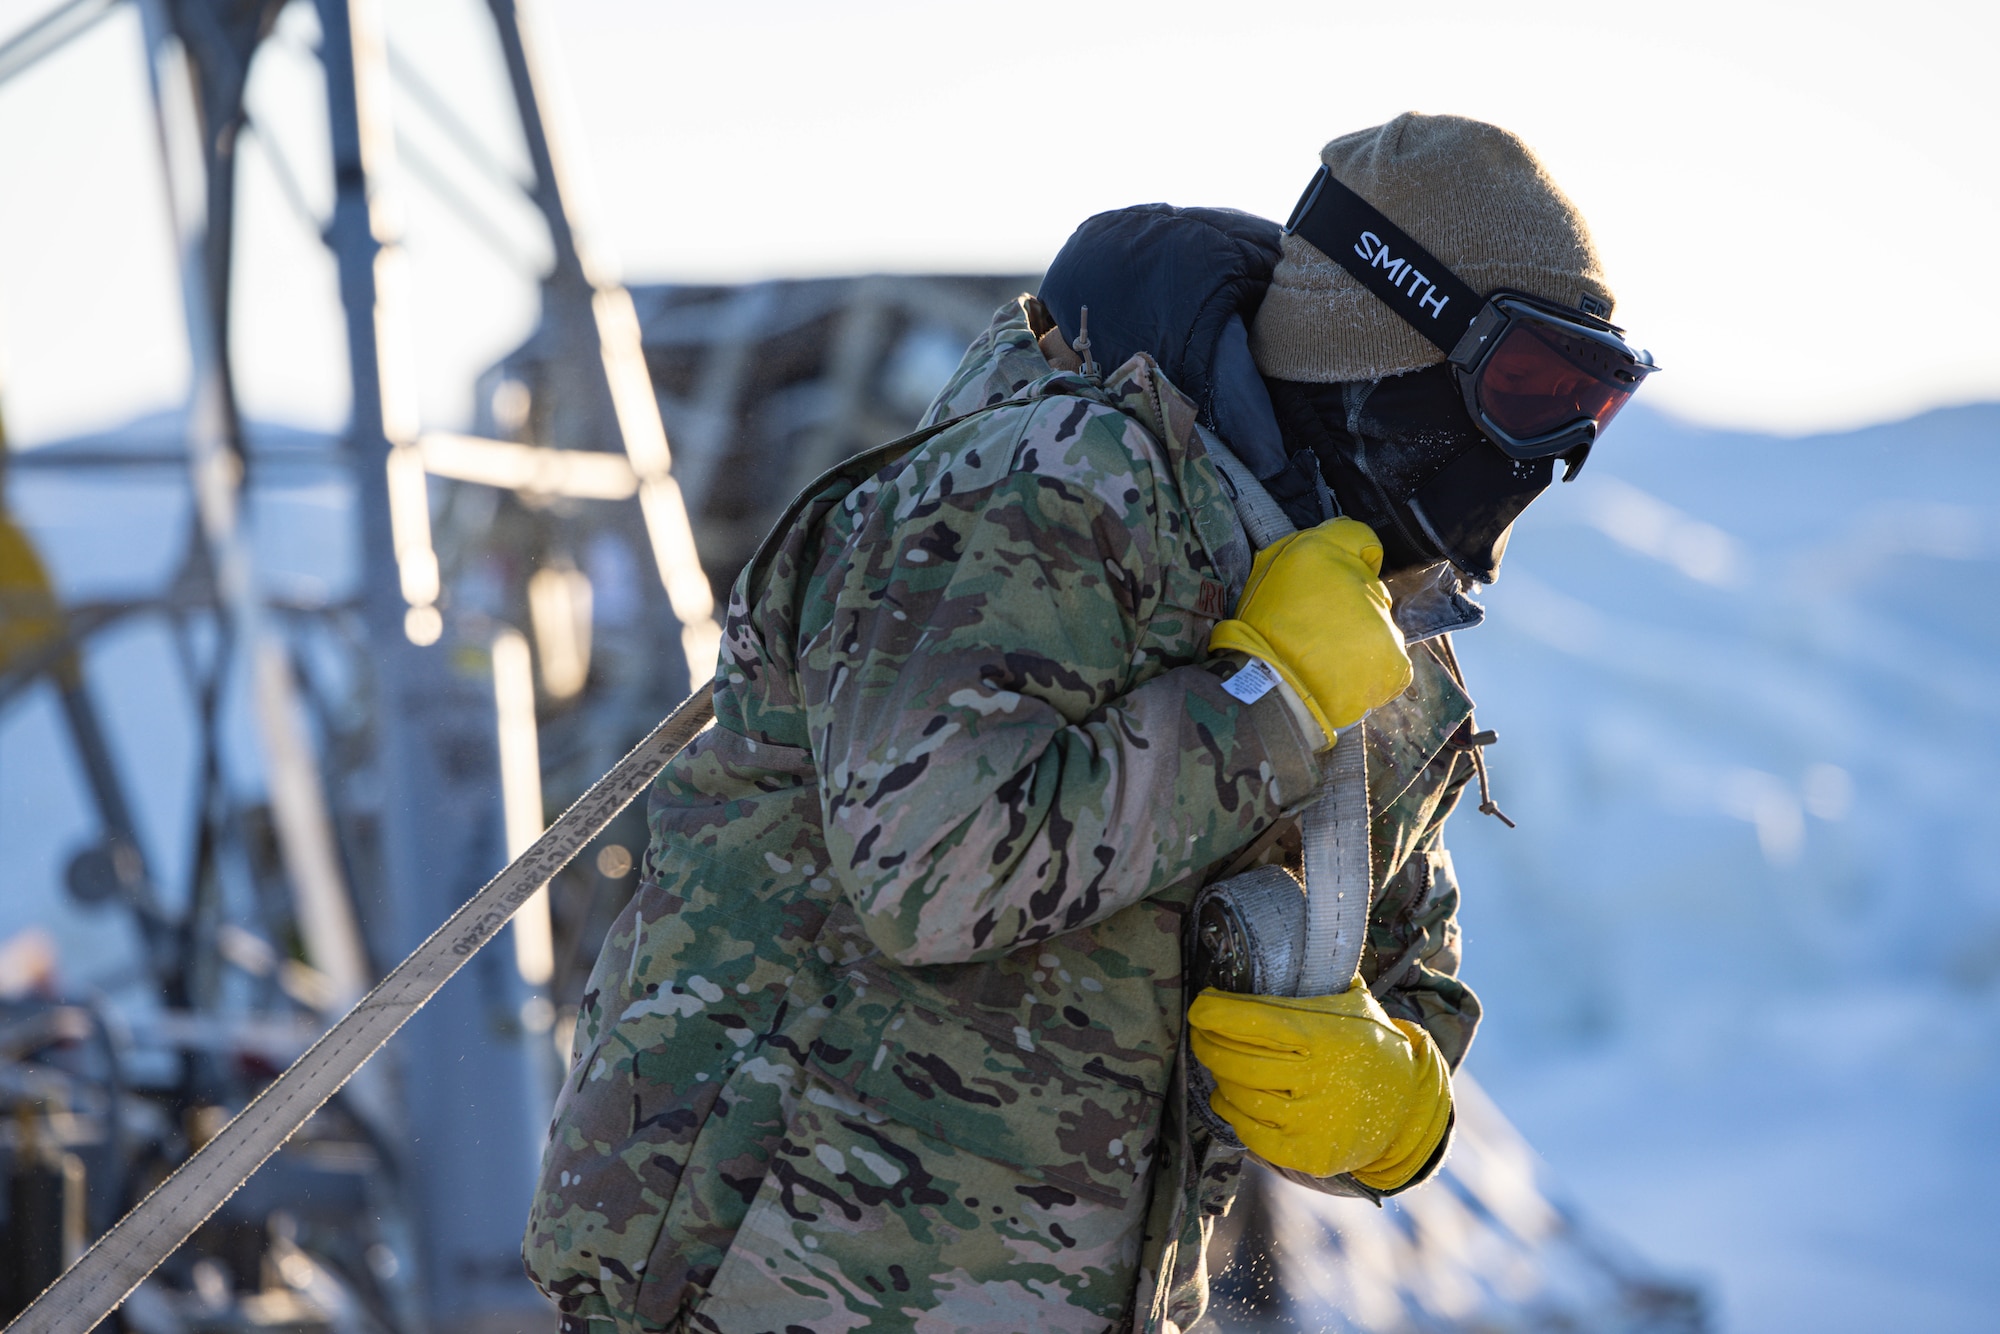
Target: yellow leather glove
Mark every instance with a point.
(1316, 612)
(1324, 1084)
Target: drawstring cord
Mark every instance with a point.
(1089, 369)
(1486, 804)
(1475, 741)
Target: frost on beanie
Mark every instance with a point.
(1473, 195)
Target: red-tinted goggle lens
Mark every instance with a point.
(1541, 378)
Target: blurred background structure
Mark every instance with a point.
(316, 600)
(391, 758)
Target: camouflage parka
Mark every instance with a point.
(891, 1036)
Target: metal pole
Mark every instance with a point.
(578, 294)
(298, 798)
(465, 1061)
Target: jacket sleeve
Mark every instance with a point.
(990, 775)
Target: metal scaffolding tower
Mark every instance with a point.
(385, 808)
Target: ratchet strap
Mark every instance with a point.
(1333, 829)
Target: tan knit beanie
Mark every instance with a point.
(1470, 193)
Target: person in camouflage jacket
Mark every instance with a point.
(891, 1037)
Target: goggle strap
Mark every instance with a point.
(1381, 256)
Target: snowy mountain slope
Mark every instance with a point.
(1742, 958)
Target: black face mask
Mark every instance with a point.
(1402, 456)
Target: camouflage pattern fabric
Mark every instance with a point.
(1419, 760)
(890, 1037)
(1418, 764)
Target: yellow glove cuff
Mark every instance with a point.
(1242, 637)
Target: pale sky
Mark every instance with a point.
(1796, 202)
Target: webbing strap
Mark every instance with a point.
(1333, 828)
(1333, 834)
(94, 1286)
(1410, 280)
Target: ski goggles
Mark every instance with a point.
(1539, 379)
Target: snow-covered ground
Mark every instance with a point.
(1742, 958)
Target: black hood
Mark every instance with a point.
(1181, 284)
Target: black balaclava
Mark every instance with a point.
(1402, 455)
